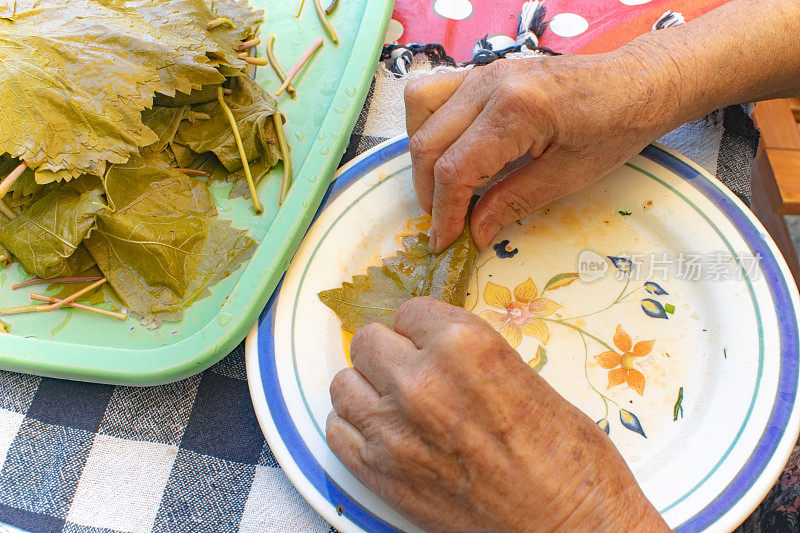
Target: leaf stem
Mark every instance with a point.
(194, 172)
(302, 60)
(70, 279)
(323, 19)
(331, 8)
(240, 147)
(111, 208)
(55, 305)
(257, 61)
(277, 66)
(220, 21)
(51, 299)
(19, 310)
(11, 215)
(299, 8)
(72, 297)
(286, 181)
(248, 44)
(9, 180)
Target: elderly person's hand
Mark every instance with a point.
(579, 117)
(441, 417)
(443, 420)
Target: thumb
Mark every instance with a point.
(522, 192)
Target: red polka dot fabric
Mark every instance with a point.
(577, 26)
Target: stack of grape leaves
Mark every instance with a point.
(107, 103)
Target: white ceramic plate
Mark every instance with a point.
(705, 416)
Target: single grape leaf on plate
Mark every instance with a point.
(75, 76)
(45, 236)
(163, 245)
(415, 271)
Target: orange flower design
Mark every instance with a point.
(519, 315)
(620, 366)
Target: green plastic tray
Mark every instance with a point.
(77, 345)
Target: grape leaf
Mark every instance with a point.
(162, 246)
(75, 76)
(5, 257)
(415, 271)
(24, 184)
(252, 107)
(184, 156)
(206, 93)
(258, 168)
(186, 17)
(189, 134)
(45, 236)
(76, 264)
(164, 122)
(242, 15)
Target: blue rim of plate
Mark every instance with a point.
(753, 469)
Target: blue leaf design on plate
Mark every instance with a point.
(621, 263)
(603, 424)
(630, 421)
(654, 288)
(653, 309)
(502, 251)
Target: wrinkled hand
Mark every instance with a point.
(444, 421)
(578, 117)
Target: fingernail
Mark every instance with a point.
(486, 232)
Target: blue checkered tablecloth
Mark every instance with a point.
(189, 456)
